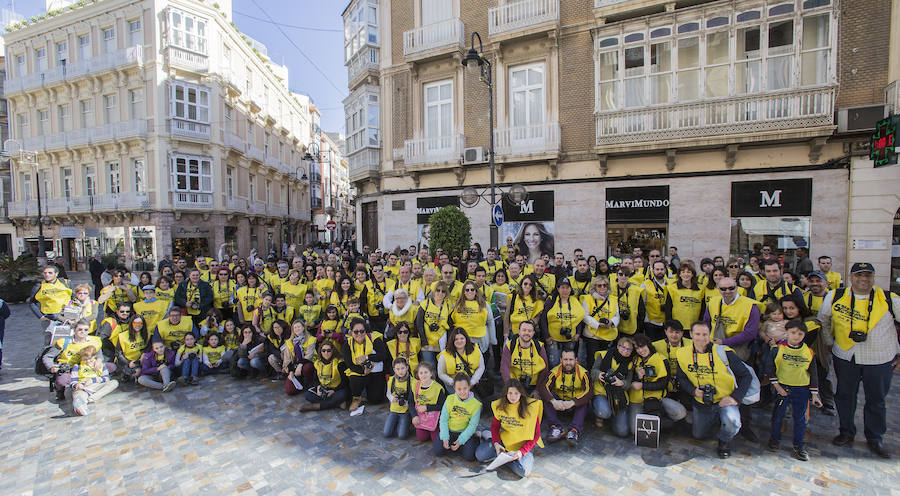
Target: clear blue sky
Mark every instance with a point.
(324, 47)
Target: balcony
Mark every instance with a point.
(364, 164)
(82, 204)
(103, 62)
(892, 96)
(236, 204)
(271, 161)
(540, 139)
(187, 59)
(274, 210)
(234, 141)
(116, 131)
(256, 207)
(444, 34)
(365, 60)
(255, 153)
(189, 129)
(26, 208)
(192, 200)
(521, 15)
(726, 116)
(424, 151)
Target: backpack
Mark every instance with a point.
(752, 395)
(39, 368)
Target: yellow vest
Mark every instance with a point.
(266, 318)
(249, 297)
(433, 314)
(834, 280)
(53, 296)
(568, 386)
(192, 293)
(527, 362)
(132, 349)
(86, 373)
(460, 412)
(375, 292)
(708, 369)
(427, 395)
(515, 431)
(151, 312)
(657, 362)
(686, 304)
(734, 316)
(669, 353)
(471, 318)
(293, 293)
(118, 296)
(547, 282)
(221, 293)
(629, 298)
(166, 295)
(655, 300)
(311, 315)
(399, 388)
(792, 364)
(328, 373)
(214, 354)
(598, 386)
(600, 310)
(861, 319)
(561, 315)
(523, 309)
(412, 287)
(172, 333)
(357, 350)
(455, 363)
(69, 352)
(286, 314)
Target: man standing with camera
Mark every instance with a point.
(861, 320)
(718, 380)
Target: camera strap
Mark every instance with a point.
(464, 362)
(869, 314)
(599, 307)
(530, 355)
(712, 364)
(559, 312)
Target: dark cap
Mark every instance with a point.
(817, 273)
(862, 267)
(270, 258)
(564, 280)
(149, 287)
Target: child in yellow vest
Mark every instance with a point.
(399, 393)
(90, 380)
(458, 422)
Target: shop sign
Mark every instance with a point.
(777, 198)
(639, 204)
(91, 232)
(141, 232)
(191, 232)
(429, 205)
(71, 232)
(538, 206)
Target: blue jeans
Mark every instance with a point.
(604, 411)
(876, 381)
(190, 367)
(397, 422)
(798, 399)
(430, 357)
(221, 369)
(327, 402)
(259, 364)
(243, 363)
(521, 467)
(467, 450)
(705, 416)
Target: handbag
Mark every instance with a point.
(428, 420)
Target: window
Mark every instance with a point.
(436, 11)
(46, 183)
(25, 181)
(114, 186)
(191, 173)
(62, 53)
(229, 119)
(249, 130)
(252, 184)
(780, 55)
(266, 144)
(190, 102)
(815, 50)
(109, 108)
(22, 126)
(139, 184)
(634, 76)
(43, 122)
(268, 191)
(660, 72)
(109, 40)
(86, 110)
(439, 114)
(136, 98)
(688, 69)
(64, 116)
(187, 31)
(747, 61)
(40, 59)
(20, 65)
(229, 182)
(526, 96)
(135, 33)
(66, 182)
(84, 47)
(717, 62)
(608, 79)
(90, 180)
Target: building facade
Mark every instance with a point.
(160, 130)
(707, 126)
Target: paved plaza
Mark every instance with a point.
(247, 437)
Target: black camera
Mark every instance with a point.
(250, 308)
(858, 336)
(649, 371)
(603, 322)
(625, 313)
(192, 356)
(612, 376)
(525, 379)
(401, 401)
(709, 393)
(542, 294)
(368, 364)
(434, 327)
(63, 368)
(566, 332)
(380, 307)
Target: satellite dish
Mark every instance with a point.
(12, 147)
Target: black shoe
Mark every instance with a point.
(748, 434)
(60, 394)
(773, 444)
(842, 440)
(572, 438)
(724, 450)
(877, 447)
(801, 454)
(829, 410)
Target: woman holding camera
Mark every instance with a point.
(364, 355)
(331, 390)
(404, 345)
(248, 297)
(460, 356)
(223, 292)
(630, 302)
(648, 390)
(431, 322)
(562, 321)
(524, 305)
(601, 316)
(612, 374)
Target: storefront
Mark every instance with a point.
(143, 248)
(530, 224)
(773, 213)
(191, 242)
(425, 207)
(637, 218)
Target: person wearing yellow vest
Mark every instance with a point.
(524, 304)
(110, 327)
(833, 278)
(525, 359)
(491, 265)
(117, 291)
(65, 352)
(429, 397)
(733, 318)
(376, 289)
(649, 388)
(151, 308)
(364, 355)
(515, 429)
(90, 380)
(611, 379)
(164, 289)
(582, 278)
(566, 389)
(223, 293)
(813, 299)
(400, 310)
(656, 293)
(400, 395)
(85, 306)
(404, 345)
(860, 319)
(454, 287)
(49, 296)
(460, 355)
(172, 330)
(685, 300)
(792, 373)
(330, 387)
(508, 251)
(293, 290)
(194, 295)
(405, 282)
(630, 302)
(774, 287)
(264, 315)
(131, 342)
(601, 316)
(667, 348)
(248, 296)
(562, 321)
(473, 314)
(431, 322)
(718, 381)
(458, 421)
(546, 282)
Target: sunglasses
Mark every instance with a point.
(625, 348)
(732, 266)
(327, 350)
(728, 288)
(469, 290)
(603, 285)
(358, 332)
(440, 291)
(403, 331)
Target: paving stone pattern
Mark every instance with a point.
(247, 437)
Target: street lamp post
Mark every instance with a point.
(475, 58)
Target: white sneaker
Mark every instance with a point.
(80, 407)
(359, 411)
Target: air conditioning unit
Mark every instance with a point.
(473, 155)
(855, 119)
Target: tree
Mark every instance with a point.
(17, 277)
(449, 228)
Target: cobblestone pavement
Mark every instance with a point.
(230, 437)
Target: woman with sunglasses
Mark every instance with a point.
(601, 318)
(431, 322)
(474, 315)
(88, 308)
(364, 353)
(330, 390)
(733, 267)
(248, 298)
(524, 305)
(404, 345)
(685, 298)
(223, 293)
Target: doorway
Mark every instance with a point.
(370, 224)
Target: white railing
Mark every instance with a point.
(187, 59)
(83, 137)
(257, 207)
(892, 96)
(607, 3)
(255, 153)
(192, 200)
(363, 162)
(234, 141)
(421, 151)
(437, 35)
(81, 68)
(362, 62)
(527, 140)
(22, 208)
(189, 129)
(277, 210)
(83, 204)
(735, 115)
(236, 204)
(521, 14)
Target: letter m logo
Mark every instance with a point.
(770, 200)
(526, 207)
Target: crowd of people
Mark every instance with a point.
(436, 335)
